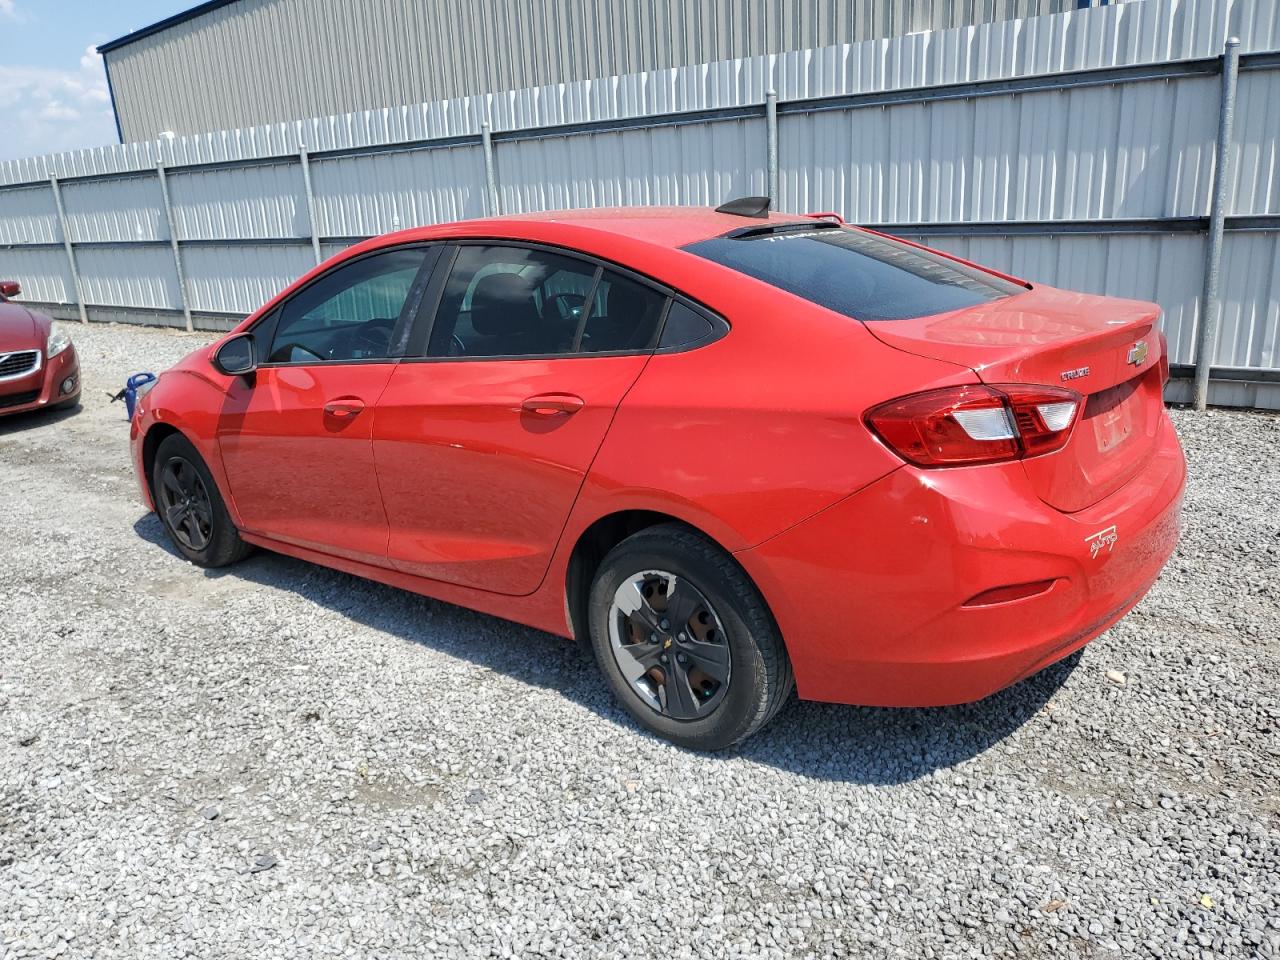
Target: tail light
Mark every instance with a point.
(976, 424)
(1164, 359)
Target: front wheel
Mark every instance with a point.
(191, 508)
(685, 640)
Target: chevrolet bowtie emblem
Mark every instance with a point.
(1138, 353)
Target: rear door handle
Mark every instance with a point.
(552, 404)
(344, 408)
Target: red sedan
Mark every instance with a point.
(732, 451)
(38, 365)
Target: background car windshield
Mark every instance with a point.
(348, 314)
(858, 274)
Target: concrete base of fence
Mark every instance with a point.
(1250, 394)
(137, 316)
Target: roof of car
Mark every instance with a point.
(664, 226)
(669, 226)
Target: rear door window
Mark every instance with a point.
(509, 301)
(623, 315)
(858, 274)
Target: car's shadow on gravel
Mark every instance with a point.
(867, 745)
(18, 422)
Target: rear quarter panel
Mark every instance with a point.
(757, 431)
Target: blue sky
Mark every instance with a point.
(53, 91)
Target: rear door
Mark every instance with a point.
(296, 438)
(482, 443)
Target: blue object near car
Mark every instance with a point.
(130, 392)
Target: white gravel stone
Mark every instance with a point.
(394, 777)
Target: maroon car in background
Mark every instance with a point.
(38, 364)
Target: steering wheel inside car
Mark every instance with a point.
(288, 353)
(569, 305)
(374, 337)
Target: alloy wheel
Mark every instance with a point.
(669, 644)
(185, 504)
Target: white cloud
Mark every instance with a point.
(47, 111)
(7, 9)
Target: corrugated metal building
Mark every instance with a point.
(239, 63)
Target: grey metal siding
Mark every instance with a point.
(657, 165)
(241, 278)
(364, 195)
(263, 61)
(135, 276)
(42, 271)
(28, 215)
(253, 202)
(1061, 177)
(121, 209)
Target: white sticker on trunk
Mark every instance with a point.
(1102, 540)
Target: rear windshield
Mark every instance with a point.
(861, 275)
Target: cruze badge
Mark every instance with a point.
(1075, 374)
(1100, 541)
(1138, 352)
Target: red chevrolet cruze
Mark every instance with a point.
(733, 451)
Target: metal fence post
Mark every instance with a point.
(1210, 306)
(305, 159)
(173, 244)
(490, 176)
(771, 140)
(71, 253)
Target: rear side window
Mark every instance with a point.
(858, 274)
(624, 315)
(684, 327)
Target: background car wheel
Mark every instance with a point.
(191, 508)
(685, 639)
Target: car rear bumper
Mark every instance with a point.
(873, 594)
(43, 387)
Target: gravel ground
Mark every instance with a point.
(283, 761)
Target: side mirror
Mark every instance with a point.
(238, 356)
(9, 288)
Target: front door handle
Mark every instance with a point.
(345, 408)
(552, 404)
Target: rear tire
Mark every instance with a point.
(190, 507)
(718, 670)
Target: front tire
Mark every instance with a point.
(190, 507)
(685, 640)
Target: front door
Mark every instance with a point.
(296, 438)
(482, 445)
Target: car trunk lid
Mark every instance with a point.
(1108, 350)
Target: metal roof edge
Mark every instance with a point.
(207, 7)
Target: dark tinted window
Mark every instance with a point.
(624, 315)
(684, 326)
(858, 274)
(347, 314)
(504, 301)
